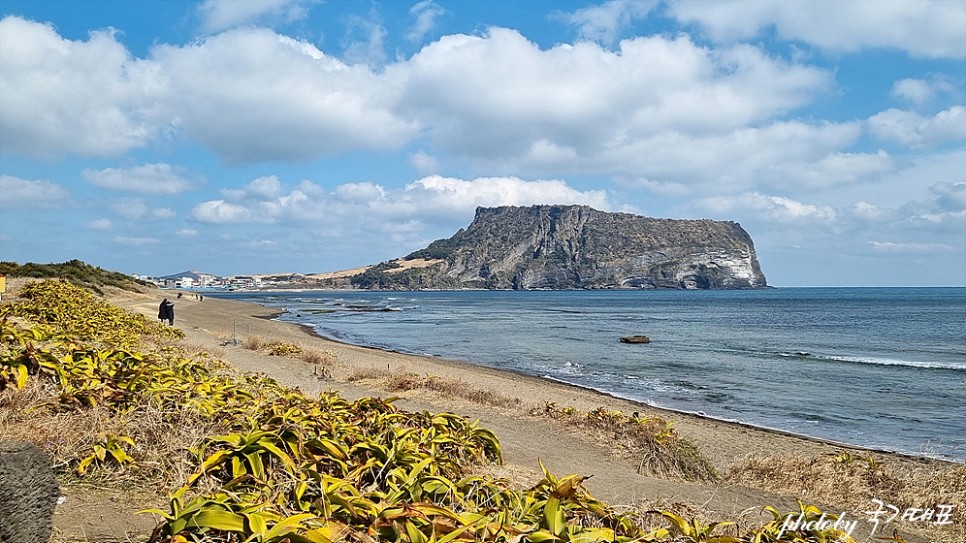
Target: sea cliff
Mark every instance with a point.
(574, 247)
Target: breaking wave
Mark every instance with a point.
(878, 361)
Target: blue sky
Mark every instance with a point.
(262, 136)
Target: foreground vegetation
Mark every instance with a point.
(246, 459)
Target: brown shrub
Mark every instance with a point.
(253, 343)
(451, 388)
(651, 440)
(319, 357)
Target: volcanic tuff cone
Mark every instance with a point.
(567, 247)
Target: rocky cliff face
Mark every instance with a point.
(565, 247)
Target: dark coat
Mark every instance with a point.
(166, 310)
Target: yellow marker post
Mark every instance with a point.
(3, 285)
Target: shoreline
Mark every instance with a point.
(273, 314)
(723, 442)
(643, 405)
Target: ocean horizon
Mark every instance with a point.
(877, 367)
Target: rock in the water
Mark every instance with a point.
(568, 247)
(635, 339)
(28, 493)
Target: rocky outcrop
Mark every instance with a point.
(567, 247)
(28, 493)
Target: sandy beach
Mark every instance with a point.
(222, 328)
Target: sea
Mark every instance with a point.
(883, 368)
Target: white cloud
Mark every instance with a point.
(923, 91)
(77, 97)
(870, 212)
(425, 12)
(778, 209)
(431, 199)
(134, 241)
(218, 15)
(17, 193)
(266, 187)
(502, 101)
(937, 214)
(497, 101)
(916, 130)
(100, 224)
(949, 196)
(910, 247)
(222, 212)
(360, 193)
(247, 94)
(259, 244)
(678, 115)
(146, 179)
(781, 154)
(424, 163)
(163, 213)
(943, 210)
(926, 28)
(252, 95)
(917, 91)
(835, 169)
(186, 233)
(458, 197)
(935, 223)
(134, 209)
(130, 208)
(364, 42)
(604, 23)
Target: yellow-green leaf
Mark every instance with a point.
(288, 524)
(21, 376)
(542, 535)
(554, 516)
(225, 521)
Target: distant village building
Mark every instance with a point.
(244, 282)
(208, 281)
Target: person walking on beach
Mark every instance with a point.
(166, 311)
(163, 310)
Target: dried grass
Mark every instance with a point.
(319, 357)
(369, 374)
(254, 342)
(162, 439)
(850, 483)
(450, 388)
(652, 441)
(66, 538)
(200, 350)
